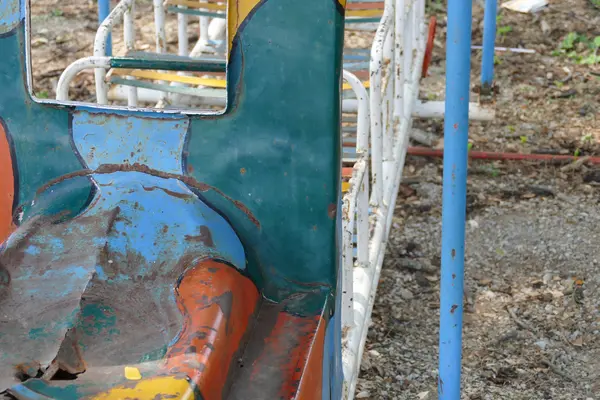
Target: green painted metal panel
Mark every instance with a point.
(40, 135)
(167, 62)
(188, 11)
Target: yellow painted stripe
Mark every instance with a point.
(343, 3)
(149, 389)
(192, 80)
(364, 13)
(345, 187)
(197, 5)
(161, 76)
(346, 86)
(237, 13)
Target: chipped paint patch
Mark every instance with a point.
(125, 139)
(10, 15)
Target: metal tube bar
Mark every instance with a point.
(62, 88)
(454, 194)
(182, 42)
(129, 36)
(100, 47)
(376, 69)
(103, 11)
(489, 37)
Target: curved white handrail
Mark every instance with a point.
(62, 88)
(392, 103)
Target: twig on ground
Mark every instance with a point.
(557, 370)
(520, 324)
(575, 165)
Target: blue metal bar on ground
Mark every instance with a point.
(489, 38)
(454, 195)
(103, 11)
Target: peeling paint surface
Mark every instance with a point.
(10, 15)
(158, 142)
(198, 251)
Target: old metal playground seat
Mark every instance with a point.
(184, 254)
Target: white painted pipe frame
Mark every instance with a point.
(129, 36)
(358, 192)
(62, 88)
(100, 45)
(365, 278)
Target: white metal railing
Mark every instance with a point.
(124, 6)
(396, 60)
(98, 63)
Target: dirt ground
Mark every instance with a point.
(531, 231)
(532, 228)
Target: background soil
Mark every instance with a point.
(532, 227)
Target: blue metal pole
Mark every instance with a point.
(489, 39)
(103, 11)
(454, 195)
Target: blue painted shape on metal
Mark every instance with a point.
(355, 66)
(103, 12)
(109, 138)
(147, 205)
(489, 38)
(332, 353)
(11, 13)
(456, 129)
(31, 389)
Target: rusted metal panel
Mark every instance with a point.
(10, 15)
(120, 218)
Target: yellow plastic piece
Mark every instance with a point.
(345, 187)
(197, 4)
(148, 389)
(132, 374)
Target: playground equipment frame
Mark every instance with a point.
(383, 122)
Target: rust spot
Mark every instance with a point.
(453, 308)
(453, 276)
(188, 180)
(205, 237)
(455, 126)
(184, 196)
(453, 253)
(331, 210)
(243, 171)
(314, 228)
(190, 169)
(165, 229)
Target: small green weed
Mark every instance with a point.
(42, 95)
(579, 48)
